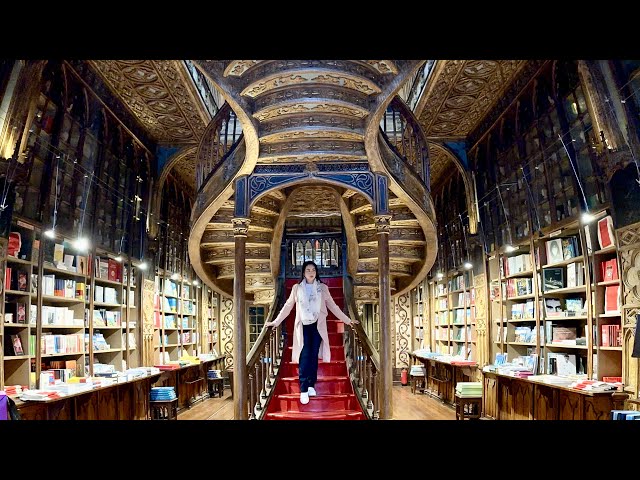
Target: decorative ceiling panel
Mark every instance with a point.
(461, 93)
(158, 94)
(314, 201)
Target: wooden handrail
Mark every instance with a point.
(263, 360)
(220, 138)
(408, 142)
(364, 360)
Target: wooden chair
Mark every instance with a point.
(215, 386)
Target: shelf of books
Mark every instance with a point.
(567, 334)
(47, 302)
(176, 328)
(210, 321)
(453, 313)
(514, 315)
(419, 308)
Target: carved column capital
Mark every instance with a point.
(240, 226)
(383, 223)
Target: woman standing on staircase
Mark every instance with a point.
(310, 337)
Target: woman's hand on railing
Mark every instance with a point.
(354, 321)
(269, 324)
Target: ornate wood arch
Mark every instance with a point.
(156, 197)
(469, 187)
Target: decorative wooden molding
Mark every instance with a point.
(226, 330)
(237, 68)
(310, 106)
(403, 330)
(383, 223)
(461, 92)
(382, 66)
(240, 226)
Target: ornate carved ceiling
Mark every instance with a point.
(461, 92)
(458, 96)
(161, 95)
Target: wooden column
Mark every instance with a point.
(240, 229)
(383, 222)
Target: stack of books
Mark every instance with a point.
(469, 389)
(214, 374)
(162, 394)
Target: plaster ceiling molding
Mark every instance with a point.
(314, 201)
(157, 92)
(462, 92)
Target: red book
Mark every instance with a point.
(606, 237)
(113, 270)
(611, 303)
(610, 270)
(7, 278)
(605, 335)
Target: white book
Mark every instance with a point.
(571, 275)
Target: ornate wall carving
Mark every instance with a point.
(226, 330)
(148, 289)
(403, 330)
(629, 251)
(483, 337)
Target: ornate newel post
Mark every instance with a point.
(383, 223)
(240, 412)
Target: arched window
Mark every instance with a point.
(326, 254)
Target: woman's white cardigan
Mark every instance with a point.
(298, 337)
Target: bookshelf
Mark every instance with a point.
(419, 309)
(50, 303)
(607, 298)
(177, 316)
(210, 314)
(453, 313)
(513, 303)
(574, 309)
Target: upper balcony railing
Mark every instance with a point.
(404, 136)
(219, 139)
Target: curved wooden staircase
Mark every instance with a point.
(336, 399)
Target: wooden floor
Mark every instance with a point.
(406, 406)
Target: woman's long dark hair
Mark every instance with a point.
(304, 267)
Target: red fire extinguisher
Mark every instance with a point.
(403, 377)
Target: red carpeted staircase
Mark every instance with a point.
(335, 398)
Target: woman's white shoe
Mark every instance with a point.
(304, 398)
(312, 392)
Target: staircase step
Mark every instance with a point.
(332, 415)
(331, 368)
(290, 402)
(337, 353)
(324, 386)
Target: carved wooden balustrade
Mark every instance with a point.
(220, 138)
(263, 361)
(362, 358)
(404, 136)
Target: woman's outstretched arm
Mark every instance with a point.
(335, 309)
(286, 309)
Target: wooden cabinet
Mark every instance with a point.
(510, 398)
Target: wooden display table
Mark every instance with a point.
(120, 401)
(511, 398)
(442, 377)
